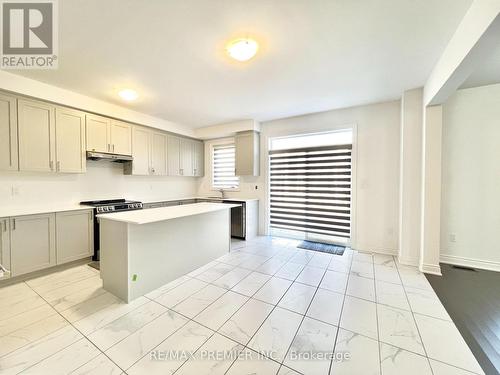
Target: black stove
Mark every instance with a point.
(104, 207)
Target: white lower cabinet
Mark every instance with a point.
(5, 246)
(32, 243)
(74, 235)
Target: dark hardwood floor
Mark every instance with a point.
(472, 299)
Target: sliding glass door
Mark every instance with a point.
(310, 192)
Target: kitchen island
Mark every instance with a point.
(145, 249)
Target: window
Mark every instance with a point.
(311, 191)
(223, 166)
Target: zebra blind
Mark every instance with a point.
(311, 190)
(223, 164)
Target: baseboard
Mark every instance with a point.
(433, 269)
(369, 249)
(469, 262)
(408, 261)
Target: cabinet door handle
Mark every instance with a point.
(51, 165)
(181, 171)
(58, 166)
(4, 226)
(113, 148)
(109, 147)
(13, 224)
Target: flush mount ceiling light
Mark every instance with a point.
(128, 94)
(242, 49)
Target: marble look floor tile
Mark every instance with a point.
(186, 340)
(413, 278)
(37, 351)
(290, 271)
(89, 307)
(363, 269)
(207, 361)
(363, 355)
(326, 306)
(66, 281)
(302, 257)
(440, 368)
(54, 277)
(392, 295)
(106, 315)
(320, 260)
(276, 333)
(59, 293)
(12, 306)
(246, 321)
(124, 326)
(66, 360)
(232, 278)
(71, 300)
(297, 298)
(334, 281)
(397, 327)
(287, 371)
(254, 261)
(25, 319)
(196, 303)
(396, 361)
(215, 315)
(31, 333)
(308, 353)
(426, 302)
(362, 257)
(169, 286)
(359, 316)
(339, 264)
(233, 258)
(214, 272)
(272, 266)
(180, 293)
(141, 342)
(387, 274)
(100, 365)
(253, 363)
(443, 342)
(361, 287)
(384, 260)
(251, 284)
(273, 290)
(311, 276)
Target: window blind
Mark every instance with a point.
(310, 190)
(223, 164)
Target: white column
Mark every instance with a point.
(410, 177)
(431, 190)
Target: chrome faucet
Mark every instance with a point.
(221, 193)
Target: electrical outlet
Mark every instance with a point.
(453, 237)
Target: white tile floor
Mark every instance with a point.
(269, 307)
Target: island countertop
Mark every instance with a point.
(153, 215)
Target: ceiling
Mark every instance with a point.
(488, 71)
(315, 54)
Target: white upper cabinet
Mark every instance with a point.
(8, 133)
(120, 137)
(158, 154)
(198, 158)
(247, 153)
(141, 151)
(186, 157)
(70, 141)
(173, 152)
(98, 133)
(36, 123)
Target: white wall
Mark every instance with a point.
(103, 180)
(471, 178)
(410, 177)
(377, 168)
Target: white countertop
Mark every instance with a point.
(214, 198)
(153, 215)
(41, 209)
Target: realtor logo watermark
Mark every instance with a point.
(29, 34)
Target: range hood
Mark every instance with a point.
(116, 158)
